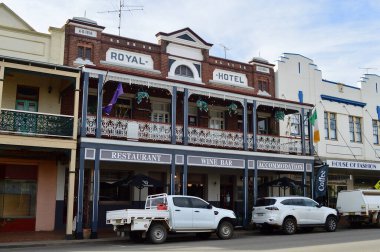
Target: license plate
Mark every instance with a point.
(118, 221)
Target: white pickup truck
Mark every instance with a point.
(165, 214)
(359, 206)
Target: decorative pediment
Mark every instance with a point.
(184, 37)
(10, 19)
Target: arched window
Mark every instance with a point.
(184, 71)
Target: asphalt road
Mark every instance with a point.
(345, 240)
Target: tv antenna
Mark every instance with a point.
(225, 48)
(368, 68)
(122, 8)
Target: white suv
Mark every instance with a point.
(290, 213)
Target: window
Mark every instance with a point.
(197, 203)
(263, 85)
(355, 128)
(27, 98)
(84, 52)
(262, 125)
(184, 71)
(295, 125)
(181, 202)
(123, 108)
(217, 120)
(309, 203)
(265, 202)
(376, 126)
(330, 126)
(160, 112)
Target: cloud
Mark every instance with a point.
(340, 36)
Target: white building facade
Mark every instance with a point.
(348, 120)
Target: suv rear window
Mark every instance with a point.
(265, 202)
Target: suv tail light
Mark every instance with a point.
(272, 208)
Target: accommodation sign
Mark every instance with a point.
(215, 162)
(352, 165)
(232, 78)
(133, 156)
(129, 59)
(280, 166)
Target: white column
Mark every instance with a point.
(70, 195)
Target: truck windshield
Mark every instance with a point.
(265, 202)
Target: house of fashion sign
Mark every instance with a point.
(352, 165)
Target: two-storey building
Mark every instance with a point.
(38, 128)
(348, 121)
(198, 124)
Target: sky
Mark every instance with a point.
(341, 36)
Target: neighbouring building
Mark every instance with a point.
(348, 120)
(199, 124)
(38, 128)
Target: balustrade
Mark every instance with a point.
(34, 123)
(161, 132)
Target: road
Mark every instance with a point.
(347, 240)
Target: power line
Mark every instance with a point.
(122, 8)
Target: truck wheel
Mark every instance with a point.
(136, 236)
(331, 224)
(225, 230)
(289, 226)
(203, 236)
(157, 233)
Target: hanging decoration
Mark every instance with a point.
(141, 95)
(232, 109)
(279, 115)
(202, 105)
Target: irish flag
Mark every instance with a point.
(314, 121)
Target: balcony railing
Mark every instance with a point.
(161, 132)
(35, 124)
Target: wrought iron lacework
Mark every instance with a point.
(35, 123)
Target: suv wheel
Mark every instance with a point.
(225, 230)
(289, 226)
(331, 224)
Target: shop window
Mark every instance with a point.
(108, 191)
(376, 126)
(27, 98)
(355, 129)
(18, 190)
(184, 71)
(217, 120)
(84, 53)
(160, 112)
(196, 185)
(330, 125)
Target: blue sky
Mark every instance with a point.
(340, 36)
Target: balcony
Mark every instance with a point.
(143, 131)
(36, 124)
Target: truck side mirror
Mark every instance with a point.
(209, 206)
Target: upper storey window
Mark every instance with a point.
(184, 71)
(84, 53)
